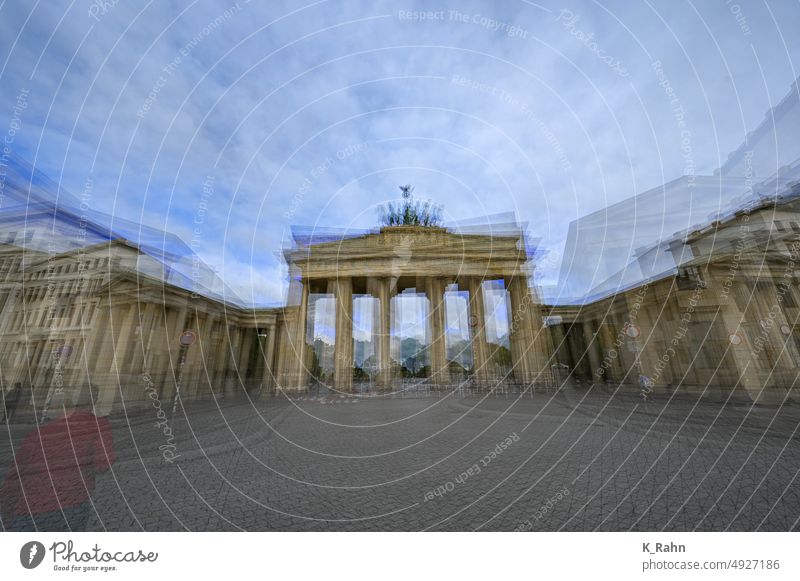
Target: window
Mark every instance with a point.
(690, 278)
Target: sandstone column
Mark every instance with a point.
(146, 334)
(299, 348)
(535, 346)
(343, 349)
(172, 336)
(221, 350)
(96, 340)
(120, 368)
(103, 351)
(592, 347)
(434, 289)
(269, 358)
(242, 351)
(519, 334)
(232, 345)
(380, 289)
(477, 322)
(245, 345)
(144, 314)
(606, 347)
(386, 368)
(742, 345)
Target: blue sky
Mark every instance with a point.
(227, 123)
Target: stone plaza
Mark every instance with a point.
(577, 459)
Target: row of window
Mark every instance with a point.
(46, 317)
(10, 263)
(16, 354)
(781, 226)
(69, 268)
(63, 289)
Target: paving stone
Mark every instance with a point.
(452, 463)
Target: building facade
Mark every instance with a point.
(724, 324)
(87, 299)
(424, 264)
(111, 314)
(91, 316)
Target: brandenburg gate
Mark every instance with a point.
(426, 261)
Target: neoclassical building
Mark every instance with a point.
(141, 322)
(724, 320)
(421, 264)
(86, 299)
(707, 309)
(93, 316)
(83, 303)
(694, 285)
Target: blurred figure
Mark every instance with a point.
(11, 401)
(645, 386)
(52, 476)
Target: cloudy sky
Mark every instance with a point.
(227, 123)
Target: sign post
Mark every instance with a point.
(187, 339)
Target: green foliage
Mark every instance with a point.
(501, 355)
(410, 212)
(315, 367)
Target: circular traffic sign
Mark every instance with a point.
(188, 338)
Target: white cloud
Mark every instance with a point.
(233, 108)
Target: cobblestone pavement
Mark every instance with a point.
(576, 460)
